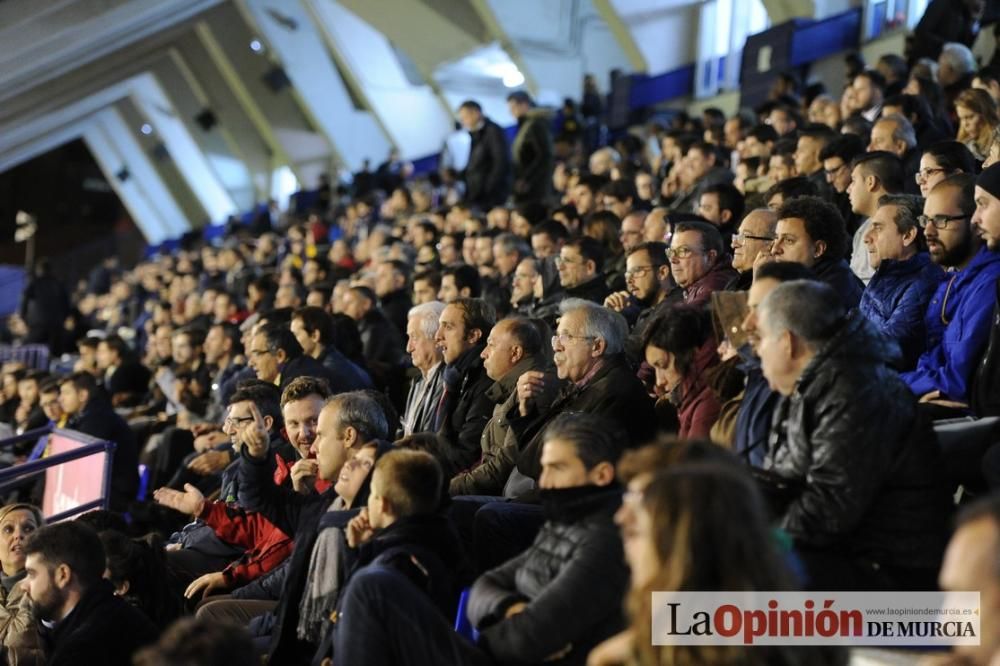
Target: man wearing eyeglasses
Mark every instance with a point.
(958, 316)
(753, 238)
(698, 261)
(650, 289)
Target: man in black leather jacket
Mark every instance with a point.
(867, 505)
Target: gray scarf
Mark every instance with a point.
(326, 572)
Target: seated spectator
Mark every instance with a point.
(756, 403)
(977, 118)
(277, 357)
(313, 329)
(704, 169)
(17, 628)
(81, 621)
(426, 285)
(656, 228)
(138, 571)
(788, 189)
(680, 347)
(392, 292)
(464, 408)
(459, 281)
(893, 133)
(665, 554)
(940, 160)
(408, 571)
(968, 565)
(722, 206)
(125, 379)
(589, 356)
(837, 157)
(698, 261)
(866, 505)
(958, 315)
(89, 411)
(382, 342)
(873, 175)
(751, 240)
(986, 219)
(543, 603)
(580, 263)
(513, 347)
(422, 401)
(905, 277)
(650, 290)
(810, 232)
(523, 287)
(813, 139)
(547, 239)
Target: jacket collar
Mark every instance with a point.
(906, 267)
(571, 505)
(503, 387)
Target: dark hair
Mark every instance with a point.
(844, 146)
(477, 313)
(142, 563)
(552, 228)
(885, 166)
(785, 149)
(909, 207)
(81, 381)
(822, 222)
(347, 340)
(965, 183)
(71, 543)
(191, 642)
(859, 126)
(471, 104)
(525, 333)
(232, 333)
(589, 249)
(303, 387)
(792, 188)
(818, 131)
(595, 438)
(783, 271)
(763, 133)
(680, 331)
(521, 97)
(622, 190)
(464, 276)
(431, 277)
(874, 76)
(592, 182)
(412, 482)
(279, 336)
(656, 250)
(711, 239)
(316, 319)
(952, 156)
(264, 395)
(118, 345)
(897, 64)
(533, 211)
(730, 199)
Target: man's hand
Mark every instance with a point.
(937, 398)
(304, 476)
(763, 257)
(191, 501)
(203, 428)
(617, 301)
(205, 585)
(210, 462)
(209, 440)
(359, 530)
(529, 385)
(254, 435)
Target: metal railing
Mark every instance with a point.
(16, 475)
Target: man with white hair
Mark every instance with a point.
(956, 69)
(589, 347)
(425, 391)
(862, 494)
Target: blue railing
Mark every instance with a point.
(15, 476)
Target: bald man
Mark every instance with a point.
(754, 236)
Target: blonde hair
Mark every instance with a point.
(20, 506)
(979, 102)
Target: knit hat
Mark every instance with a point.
(989, 180)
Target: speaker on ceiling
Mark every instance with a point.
(206, 119)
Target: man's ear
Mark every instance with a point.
(281, 356)
(314, 336)
(350, 437)
(592, 266)
(910, 237)
(726, 216)
(600, 346)
(871, 183)
(602, 474)
(122, 590)
(474, 335)
(663, 272)
(62, 575)
(268, 422)
(465, 292)
(819, 249)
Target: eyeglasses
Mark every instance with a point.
(560, 339)
(740, 238)
(924, 174)
(639, 271)
(682, 252)
(364, 463)
(237, 420)
(257, 353)
(560, 261)
(939, 221)
(830, 173)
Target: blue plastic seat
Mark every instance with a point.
(462, 624)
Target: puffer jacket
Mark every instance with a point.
(868, 467)
(965, 300)
(896, 298)
(499, 443)
(573, 578)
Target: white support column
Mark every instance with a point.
(148, 201)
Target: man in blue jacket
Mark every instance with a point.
(905, 278)
(958, 316)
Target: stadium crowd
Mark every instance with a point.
(728, 354)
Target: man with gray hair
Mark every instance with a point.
(956, 69)
(589, 347)
(862, 494)
(428, 368)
